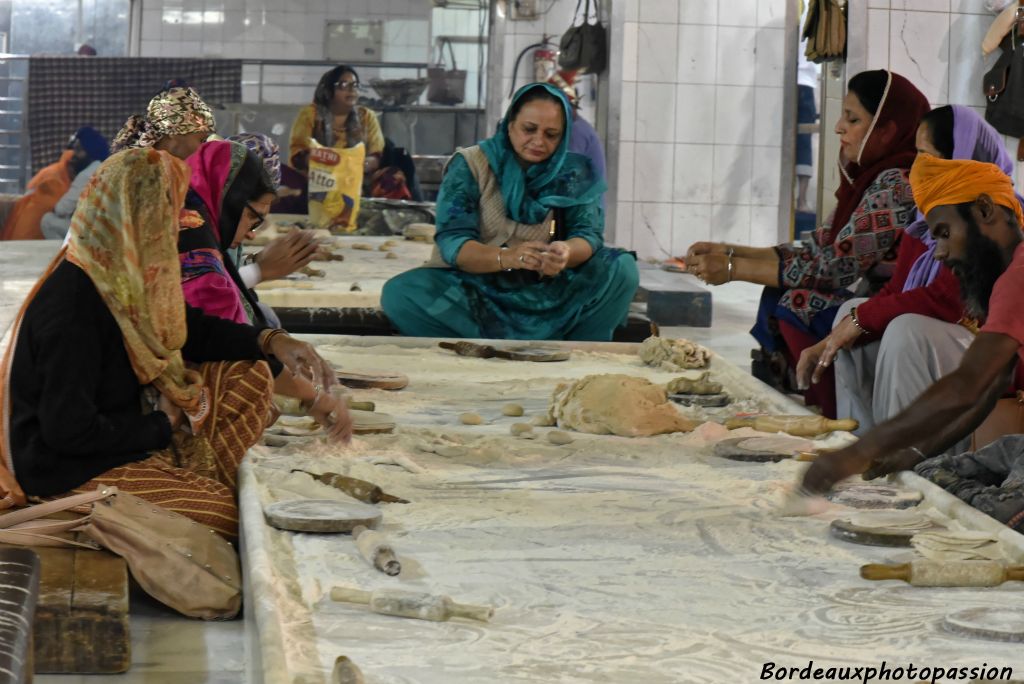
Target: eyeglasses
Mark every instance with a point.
(260, 218)
(347, 85)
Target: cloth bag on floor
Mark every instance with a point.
(177, 561)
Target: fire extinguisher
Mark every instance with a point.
(545, 62)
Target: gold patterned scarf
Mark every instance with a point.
(124, 235)
(176, 111)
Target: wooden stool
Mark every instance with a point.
(19, 589)
(81, 621)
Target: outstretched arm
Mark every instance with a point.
(959, 402)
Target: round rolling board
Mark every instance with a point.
(371, 422)
(320, 515)
(759, 449)
(862, 495)
(993, 624)
(881, 527)
(372, 380)
(704, 400)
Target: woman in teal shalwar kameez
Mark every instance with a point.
(520, 251)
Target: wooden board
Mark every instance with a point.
(81, 621)
(19, 589)
(320, 515)
(372, 380)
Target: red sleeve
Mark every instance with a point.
(940, 299)
(1004, 305)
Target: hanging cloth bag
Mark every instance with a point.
(584, 47)
(1004, 85)
(447, 86)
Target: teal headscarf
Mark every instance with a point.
(565, 179)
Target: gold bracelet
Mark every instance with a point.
(853, 317)
(501, 266)
(268, 335)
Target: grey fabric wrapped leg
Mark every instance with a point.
(990, 479)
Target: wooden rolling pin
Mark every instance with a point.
(412, 604)
(375, 548)
(798, 426)
(924, 573)
(366, 492)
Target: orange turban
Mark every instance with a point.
(938, 182)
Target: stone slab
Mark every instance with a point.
(674, 298)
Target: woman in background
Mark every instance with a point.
(520, 240)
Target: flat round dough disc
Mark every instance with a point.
(874, 496)
(994, 624)
(320, 515)
(886, 519)
(371, 422)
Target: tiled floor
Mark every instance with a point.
(167, 649)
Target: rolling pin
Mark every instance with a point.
(366, 492)
(798, 426)
(412, 604)
(374, 547)
(925, 573)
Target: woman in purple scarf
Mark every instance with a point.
(891, 347)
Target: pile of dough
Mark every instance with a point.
(891, 520)
(673, 355)
(699, 385)
(957, 545)
(616, 404)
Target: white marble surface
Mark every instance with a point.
(610, 560)
(366, 270)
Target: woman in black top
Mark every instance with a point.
(96, 386)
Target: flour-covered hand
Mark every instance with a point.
(302, 360)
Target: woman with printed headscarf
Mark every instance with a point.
(97, 386)
(520, 240)
(177, 121)
(804, 286)
(229, 196)
(889, 348)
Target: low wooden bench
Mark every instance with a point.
(81, 623)
(19, 589)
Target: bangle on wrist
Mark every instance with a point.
(918, 452)
(501, 266)
(730, 253)
(267, 336)
(853, 317)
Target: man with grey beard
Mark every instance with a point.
(976, 220)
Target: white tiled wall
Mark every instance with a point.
(701, 124)
(280, 29)
(934, 43)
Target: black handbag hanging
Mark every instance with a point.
(584, 47)
(1004, 85)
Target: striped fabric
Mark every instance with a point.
(197, 477)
